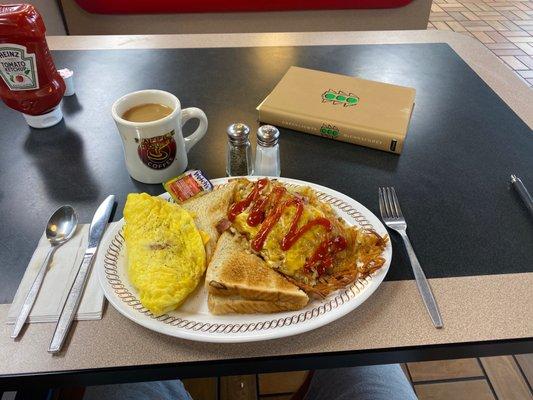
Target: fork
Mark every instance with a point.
(392, 215)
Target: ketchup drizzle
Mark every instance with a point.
(257, 213)
(239, 207)
(294, 233)
(322, 258)
(271, 220)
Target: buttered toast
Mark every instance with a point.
(239, 281)
(208, 210)
(236, 304)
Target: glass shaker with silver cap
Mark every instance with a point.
(267, 161)
(239, 157)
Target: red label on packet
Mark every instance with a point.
(187, 185)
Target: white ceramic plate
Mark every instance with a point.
(194, 322)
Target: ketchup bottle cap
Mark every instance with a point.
(45, 120)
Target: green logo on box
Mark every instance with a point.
(329, 130)
(339, 97)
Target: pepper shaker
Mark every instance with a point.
(239, 157)
(267, 160)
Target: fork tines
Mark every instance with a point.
(389, 205)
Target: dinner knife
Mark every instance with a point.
(96, 230)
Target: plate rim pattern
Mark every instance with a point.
(341, 297)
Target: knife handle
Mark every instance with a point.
(71, 304)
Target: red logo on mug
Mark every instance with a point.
(157, 152)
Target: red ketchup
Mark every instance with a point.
(323, 255)
(30, 82)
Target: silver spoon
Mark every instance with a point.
(60, 228)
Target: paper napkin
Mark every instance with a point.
(57, 282)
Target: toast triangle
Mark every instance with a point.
(235, 273)
(236, 304)
(208, 210)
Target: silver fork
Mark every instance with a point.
(392, 215)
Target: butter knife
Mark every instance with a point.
(96, 230)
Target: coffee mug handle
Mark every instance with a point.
(193, 138)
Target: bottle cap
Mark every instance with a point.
(238, 132)
(47, 120)
(267, 135)
(68, 78)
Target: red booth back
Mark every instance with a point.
(177, 6)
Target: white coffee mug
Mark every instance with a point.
(156, 151)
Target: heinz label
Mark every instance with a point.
(18, 68)
(157, 152)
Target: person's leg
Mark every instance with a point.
(377, 382)
(159, 390)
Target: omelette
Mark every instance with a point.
(302, 237)
(291, 261)
(165, 251)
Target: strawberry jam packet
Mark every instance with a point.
(189, 184)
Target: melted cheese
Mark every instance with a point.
(292, 261)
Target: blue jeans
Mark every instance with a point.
(160, 390)
(376, 382)
(379, 382)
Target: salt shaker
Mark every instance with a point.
(239, 158)
(267, 162)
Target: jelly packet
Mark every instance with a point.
(189, 184)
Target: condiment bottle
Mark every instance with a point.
(239, 158)
(30, 82)
(267, 162)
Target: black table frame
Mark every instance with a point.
(142, 373)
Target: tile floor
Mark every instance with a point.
(488, 378)
(504, 27)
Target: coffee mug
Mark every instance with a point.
(156, 151)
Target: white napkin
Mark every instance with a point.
(58, 281)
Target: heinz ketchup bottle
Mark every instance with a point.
(30, 82)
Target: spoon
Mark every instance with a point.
(60, 228)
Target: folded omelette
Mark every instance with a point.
(165, 251)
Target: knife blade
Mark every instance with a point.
(70, 307)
